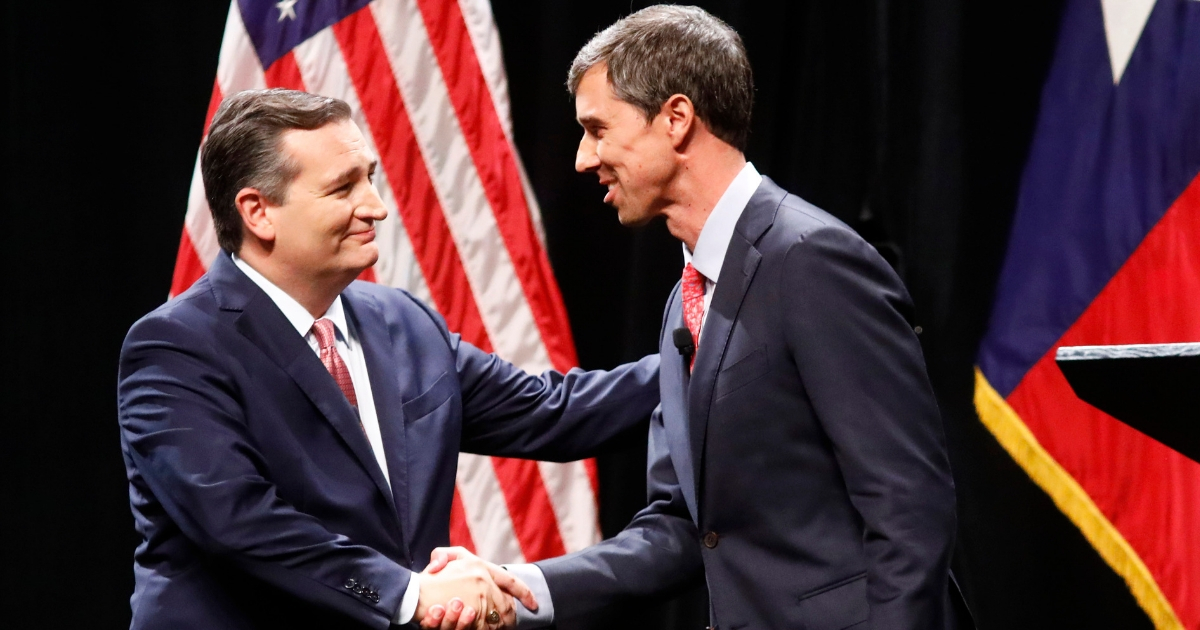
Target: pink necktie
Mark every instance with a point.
(323, 330)
(693, 305)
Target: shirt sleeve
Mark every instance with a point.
(408, 605)
(533, 577)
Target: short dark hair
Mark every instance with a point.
(244, 150)
(668, 49)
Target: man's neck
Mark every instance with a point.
(316, 295)
(703, 177)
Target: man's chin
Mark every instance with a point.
(631, 218)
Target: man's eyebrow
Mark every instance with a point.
(588, 120)
(350, 175)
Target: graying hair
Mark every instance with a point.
(665, 50)
(244, 150)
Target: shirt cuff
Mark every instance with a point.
(408, 605)
(533, 577)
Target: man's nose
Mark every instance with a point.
(372, 207)
(585, 158)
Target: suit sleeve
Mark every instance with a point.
(657, 552)
(185, 432)
(862, 368)
(554, 416)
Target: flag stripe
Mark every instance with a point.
(506, 314)
(460, 533)
(573, 498)
(525, 492)
(424, 216)
(506, 311)
(284, 73)
(573, 487)
(188, 268)
(494, 161)
(400, 157)
(487, 510)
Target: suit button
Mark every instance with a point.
(711, 539)
(350, 583)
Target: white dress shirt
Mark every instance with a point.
(718, 230)
(707, 259)
(347, 345)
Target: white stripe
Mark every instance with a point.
(574, 503)
(485, 38)
(238, 69)
(505, 312)
(487, 512)
(324, 71)
(198, 222)
(572, 496)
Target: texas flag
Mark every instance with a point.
(1105, 249)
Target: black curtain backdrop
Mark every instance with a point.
(909, 120)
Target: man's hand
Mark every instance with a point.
(471, 589)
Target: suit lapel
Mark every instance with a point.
(261, 322)
(674, 377)
(737, 271)
(378, 347)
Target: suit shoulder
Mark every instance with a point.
(396, 300)
(797, 220)
(191, 308)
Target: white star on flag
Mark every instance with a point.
(286, 9)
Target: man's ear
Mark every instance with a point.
(680, 116)
(252, 205)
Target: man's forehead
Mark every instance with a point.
(593, 93)
(332, 145)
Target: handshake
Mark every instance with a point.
(459, 591)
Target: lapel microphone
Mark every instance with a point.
(683, 341)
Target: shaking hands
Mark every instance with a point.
(459, 591)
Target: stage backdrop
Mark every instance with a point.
(910, 120)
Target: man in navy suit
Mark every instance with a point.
(290, 435)
(798, 458)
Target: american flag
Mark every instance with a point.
(425, 80)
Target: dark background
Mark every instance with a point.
(909, 120)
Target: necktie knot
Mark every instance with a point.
(322, 329)
(693, 281)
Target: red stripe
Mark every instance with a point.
(188, 267)
(400, 157)
(460, 535)
(496, 163)
(529, 505)
(214, 102)
(439, 259)
(284, 73)
(497, 167)
(1149, 492)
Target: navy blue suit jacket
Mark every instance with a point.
(253, 485)
(802, 464)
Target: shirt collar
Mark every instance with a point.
(718, 228)
(292, 310)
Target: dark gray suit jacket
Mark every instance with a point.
(802, 465)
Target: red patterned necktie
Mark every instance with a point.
(693, 306)
(323, 330)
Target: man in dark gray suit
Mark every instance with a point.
(797, 457)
